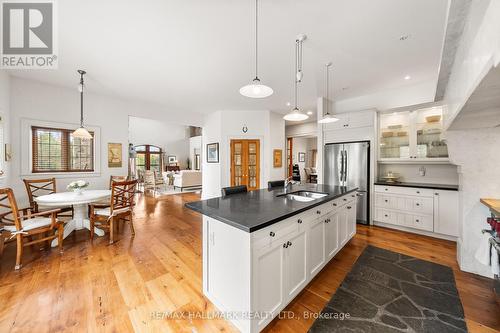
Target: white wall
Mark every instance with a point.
(435, 173)
(310, 128)
(222, 126)
(173, 138)
(303, 145)
(476, 151)
(479, 49)
(5, 115)
(41, 101)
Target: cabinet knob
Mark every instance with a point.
(418, 204)
(299, 221)
(386, 215)
(288, 243)
(334, 204)
(417, 220)
(318, 212)
(272, 234)
(418, 192)
(386, 189)
(349, 207)
(386, 200)
(352, 195)
(285, 246)
(436, 193)
(345, 199)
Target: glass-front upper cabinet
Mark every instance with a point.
(415, 135)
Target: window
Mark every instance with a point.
(148, 158)
(56, 150)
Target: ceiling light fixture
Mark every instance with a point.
(295, 114)
(327, 117)
(81, 132)
(407, 77)
(256, 89)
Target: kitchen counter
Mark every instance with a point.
(492, 204)
(420, 185)
(255, 210)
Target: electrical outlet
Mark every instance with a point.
(422, 171)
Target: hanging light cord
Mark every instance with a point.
(327, 87)
(296, 69)
(81, 99)
(256, 39)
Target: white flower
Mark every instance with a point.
(81, 183)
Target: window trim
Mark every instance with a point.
(27, 149)
(147, 155)
(68, 152)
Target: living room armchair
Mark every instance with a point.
(187, 179)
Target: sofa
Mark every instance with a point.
(187, 179)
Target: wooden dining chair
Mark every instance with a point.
(120, 208)
(25, 226)
(39, 187)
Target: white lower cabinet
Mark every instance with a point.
(434, 212)
(261, 272)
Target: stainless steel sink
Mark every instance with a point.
(304, 196)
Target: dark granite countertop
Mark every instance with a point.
(258, 209)
(420, 185)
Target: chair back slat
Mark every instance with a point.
(116, 179)
(122, 195)
(37, 188)
(9, 212)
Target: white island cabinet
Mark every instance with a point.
(252, 276)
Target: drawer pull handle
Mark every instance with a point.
(334, 204)
(418, 192)
(349, 207)
(285, 245)
(327, 221)
(318, 212)
(417, 220)
(288, 243)
(418, 204)
(345, 199)
(436, 193)
(353, 195)
(386, 215)
(272, 234)
(299, 221)
(386, 189)
(386, 200)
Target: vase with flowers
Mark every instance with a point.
(78, 186)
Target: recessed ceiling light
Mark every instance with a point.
(309, 112)
(288, 104)
(407, 77)
(404, 37)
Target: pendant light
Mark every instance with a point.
(296, 114)
(327, 117)
(256, 89)
(81, 132)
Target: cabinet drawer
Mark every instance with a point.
(423, 205)
(385, 201)
(385, 216)
(404, 190)
(422, 222)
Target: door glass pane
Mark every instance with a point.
(252, 148)
(430, 141)
(394, 135)
(237, 148)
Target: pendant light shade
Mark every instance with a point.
(256, 89)
(296, 114)
(327, 117)
(81, 132)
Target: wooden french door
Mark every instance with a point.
(245, 163)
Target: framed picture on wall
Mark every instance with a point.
(213, 152)
(172, 159)
(114, 155)
(302, 157)
(277, 158)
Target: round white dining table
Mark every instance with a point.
(80, 202)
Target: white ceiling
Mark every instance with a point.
(194, 55)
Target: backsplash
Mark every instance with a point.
(432, 173)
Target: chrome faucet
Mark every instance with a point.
(288, 181)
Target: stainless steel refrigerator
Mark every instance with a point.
(348, 164)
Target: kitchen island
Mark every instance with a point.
(261, 248)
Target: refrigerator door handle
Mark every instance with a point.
(341, 166)
(345, 167)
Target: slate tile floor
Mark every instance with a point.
(391, 292)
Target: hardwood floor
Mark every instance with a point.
(129, 285)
